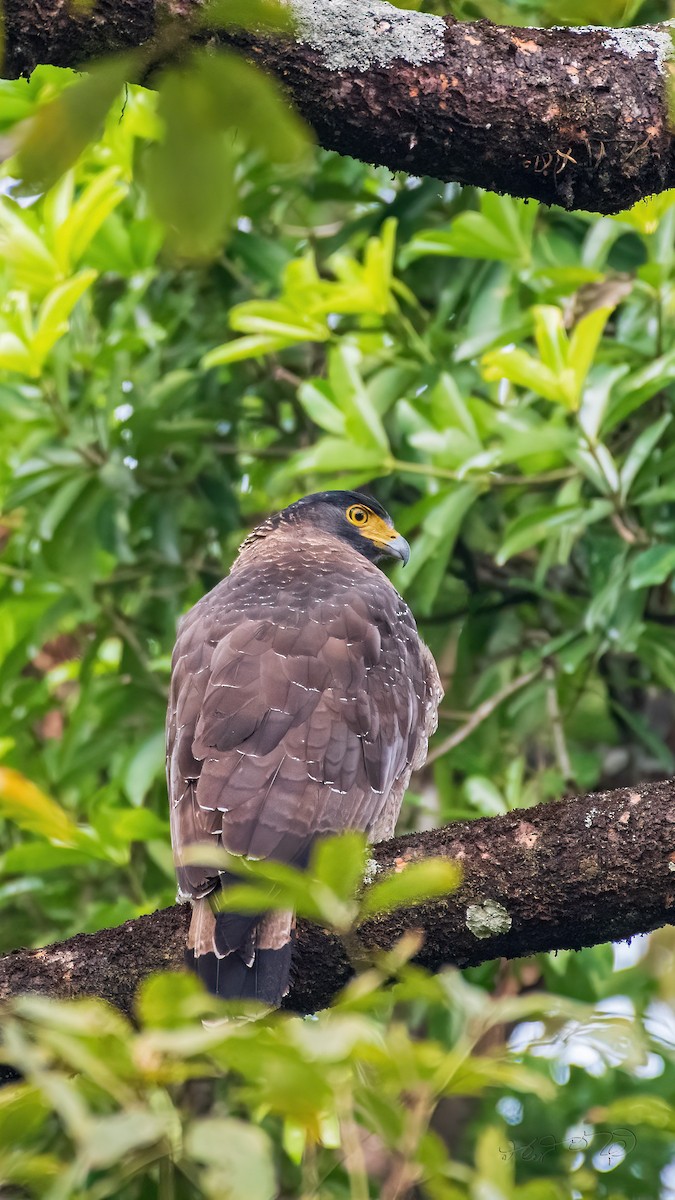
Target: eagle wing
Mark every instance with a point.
(298, 708)
(293, 724)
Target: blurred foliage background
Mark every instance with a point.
(201, 318)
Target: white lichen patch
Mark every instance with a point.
(370, 871)
(588, 819)
(631, 42)
(355, 37)
(487, 919)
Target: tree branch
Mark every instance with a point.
(558, 876)
(576, 117)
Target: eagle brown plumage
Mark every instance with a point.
(302, 699)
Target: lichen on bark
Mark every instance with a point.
(575, 117)
(547, 882)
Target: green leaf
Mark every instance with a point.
(378, 266)
(24, 252)
(583, 345)
(265, 884)
(534, 527)
(652, 566)
(652, 1111)
(338, 454)
(314, 398)
(415, 883)
(547, 438)
(146, 765)
(563, 364)
(272, 318)
(242, 348)
(62, 502)
(139, 825)
(23, 1111)
(52, 140)
(640, 452)
(551, 337)
(269, 15)
(362, 422)
(440, 528)
(450, 407)
(599, 467)
(339, 863)
(86, 215)
(238, 1157)
(58, 305)
(250, 102)
(108, 1140)
(189, 174)
(646, 214)
(523, 369)
(485, 796)
(501, 231)
(649, 738)
(597, 397)
(53, 314)
(169, 998)
(639, 386)
(31, 856)
(655, 649)
(15, 355)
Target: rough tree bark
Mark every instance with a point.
(576, 117)
(558, 876)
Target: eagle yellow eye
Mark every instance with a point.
(358, 515)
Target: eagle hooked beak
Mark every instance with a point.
(396, 547)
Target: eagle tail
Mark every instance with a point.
(241, 957)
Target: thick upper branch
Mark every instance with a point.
(577, 117)
(558, 876)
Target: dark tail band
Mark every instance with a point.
(241, 957)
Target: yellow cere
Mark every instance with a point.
(370, 524)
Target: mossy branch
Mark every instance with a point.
(558, 876)
(576, 117)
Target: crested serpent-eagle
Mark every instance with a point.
(302, 699)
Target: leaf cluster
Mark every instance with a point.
(183, 351)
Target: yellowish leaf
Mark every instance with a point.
(23, 802)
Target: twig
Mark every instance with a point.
(557, 728)
(481, 714)
(166, 1190)
(486, 477)
(406, 1171)
(628, 535)
(127, 634)
(353, 1157)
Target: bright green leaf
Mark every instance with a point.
(415, 883)
(652, 566)
(52, 140)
